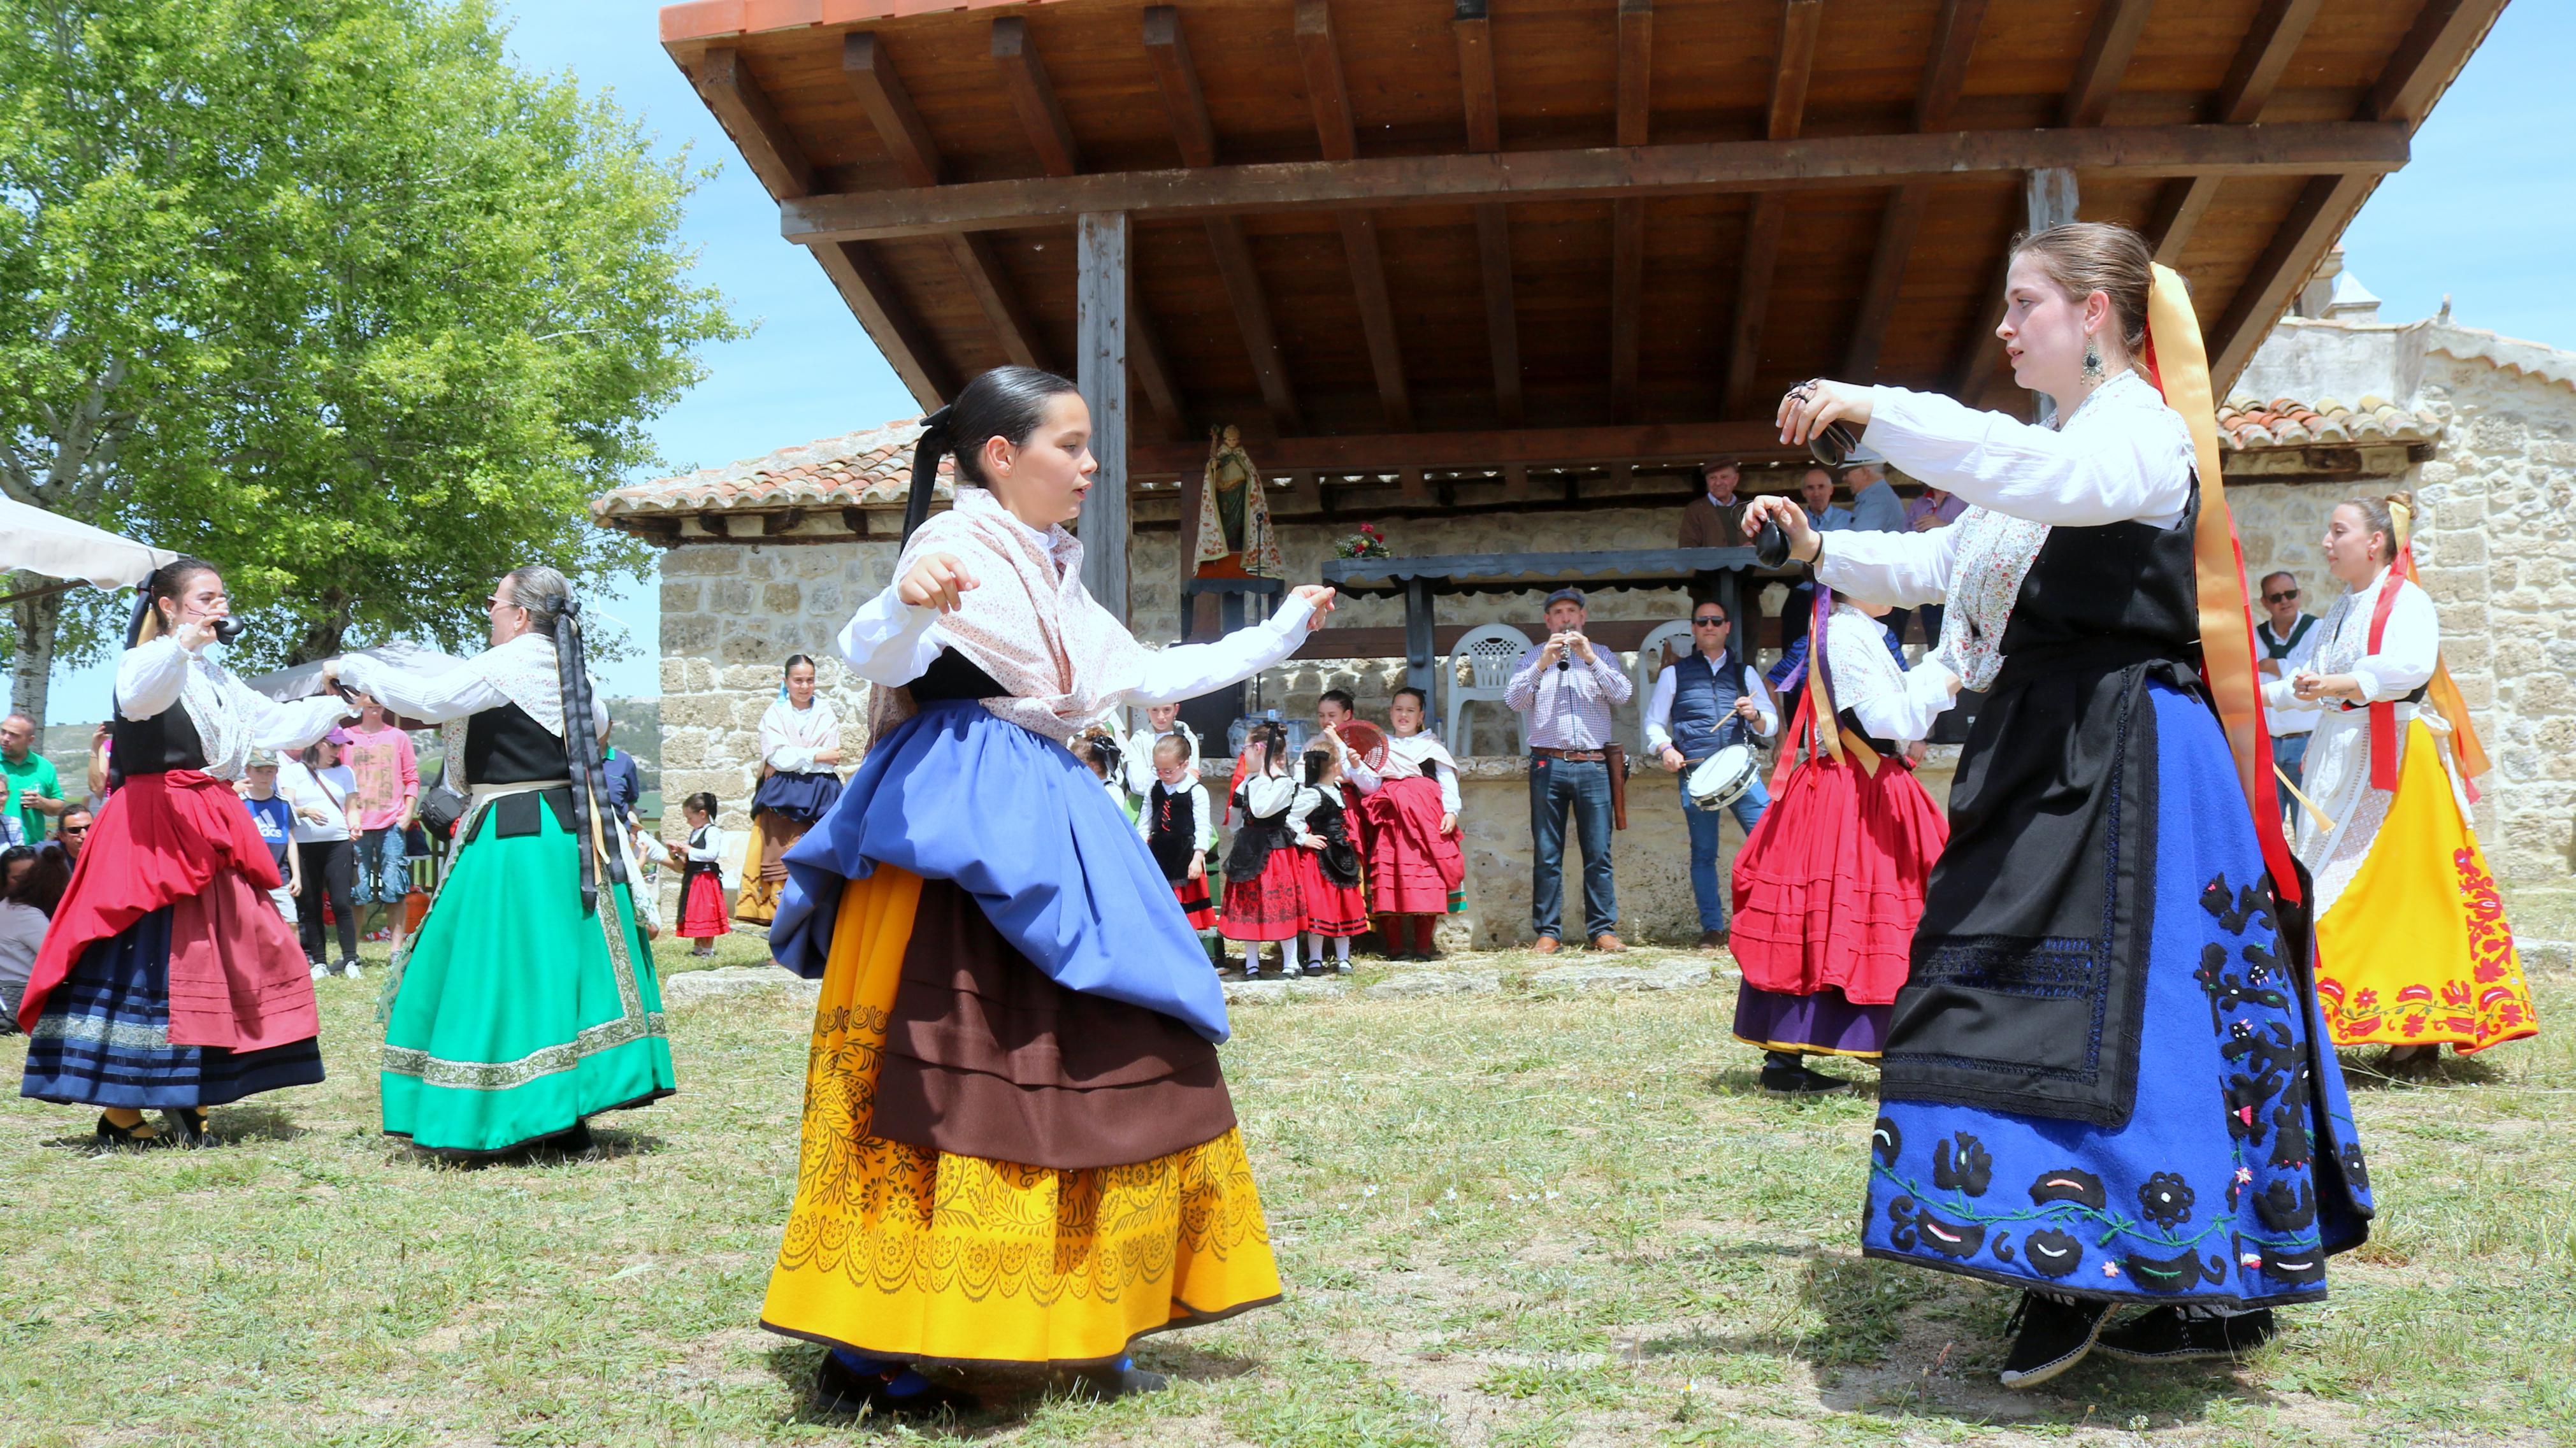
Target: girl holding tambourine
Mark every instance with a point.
(1830, 883)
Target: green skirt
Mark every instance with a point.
(517, 1014)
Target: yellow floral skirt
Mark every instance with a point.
(2415, 951)
(898, 1251)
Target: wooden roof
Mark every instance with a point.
(1403, 235)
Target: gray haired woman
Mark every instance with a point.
(528, 1000)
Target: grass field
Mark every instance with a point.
(1504, 1219)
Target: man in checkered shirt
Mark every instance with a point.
(1564, 690)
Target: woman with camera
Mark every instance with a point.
(2105, 1080)
(527, 1001)
(166, 981)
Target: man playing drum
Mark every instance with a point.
(1703, 718)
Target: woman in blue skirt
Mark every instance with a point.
(2105, 1081)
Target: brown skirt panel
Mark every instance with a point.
(987, 1057)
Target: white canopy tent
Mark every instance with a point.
(35, 541)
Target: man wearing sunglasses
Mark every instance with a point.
(1701, 704)
(2288, 639)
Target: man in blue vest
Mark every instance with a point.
(1702, 704)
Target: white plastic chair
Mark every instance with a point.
(1650, 662)
(1488, 651)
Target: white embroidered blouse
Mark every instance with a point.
(231, 717)
(2408, 651)
(1891, 703)
(790, 737)
(2124, 456)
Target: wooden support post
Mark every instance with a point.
(2049, 197)
(1418, 647)
(1101, 328)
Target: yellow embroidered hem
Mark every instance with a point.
(2415, 951)
(756, 903)
(902, 1252)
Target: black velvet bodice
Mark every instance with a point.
(166, 741)
(505, 746)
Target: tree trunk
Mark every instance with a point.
(31, 673)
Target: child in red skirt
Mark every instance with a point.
(1328, 865)
(703, 916)
(1264, 897)
(1829, 885)
(1178, 830)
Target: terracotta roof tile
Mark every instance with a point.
(2246, 423)
(859, 469)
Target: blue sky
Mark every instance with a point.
(2483, 213)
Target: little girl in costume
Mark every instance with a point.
(1179, 831)
(1264, 897)
(702, 902)
(1328, 866)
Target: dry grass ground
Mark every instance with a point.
(1505, 1219)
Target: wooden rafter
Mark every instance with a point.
(1636, 35)
(1686, 169)
(1328, 94)
(1024, 80)
(2252, 76)
(871, 73)
(1474, 34)
(2444, 33)
(1945, 73)
(1167, 49)
(1505, 449)
(2107, 51)
(1799, 22)
(725, 83)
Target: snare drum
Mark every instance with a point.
(1722, 778)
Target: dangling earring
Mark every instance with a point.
(2092, 364)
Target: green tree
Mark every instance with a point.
(329, 293)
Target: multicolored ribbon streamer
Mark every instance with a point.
(2440, 691)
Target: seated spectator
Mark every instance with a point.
(1715, 519)
(1875, 508)
(32, 882)
(72, 831)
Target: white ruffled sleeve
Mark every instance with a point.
(2121, 457)
(1901, 570)
(1185, 671)
(889, 641)
(149, 677)
(429, 698)
(2408, 650)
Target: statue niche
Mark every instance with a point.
(1235, 540)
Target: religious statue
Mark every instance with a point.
(1235, 540)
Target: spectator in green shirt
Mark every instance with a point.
(31, 776)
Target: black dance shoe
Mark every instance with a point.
(2172, 1335)
(187, 1126)
(839, 1390)
(1785, 1075)
(2052, 1334)
(1111, 1383)
(138, 1136)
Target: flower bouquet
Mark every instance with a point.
(1363, 544)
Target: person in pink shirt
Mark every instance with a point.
(388, 795)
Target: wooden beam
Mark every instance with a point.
(1153, 370)
(1475, 39)
(2261, 58)
(1101, 288)
(1896, 228)
(2107, 50)
(2444, 34)
(1636, 34)
(871, 73)
(1169, 52)
(724, 82)
(1974, 372)
(1328, 96)
(1506, 449)
(1252, 317)
(1945, 74)
(871, 296)
(889, 106)
(1024, 80)
(2315, 220)
(2049, 198)
(1752, 299)
(1685, 169)
(1799, 22)
(1167, 48)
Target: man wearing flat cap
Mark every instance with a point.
(1564, 690)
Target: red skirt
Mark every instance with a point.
(1332, 908)
(1194, 900)
(1830, 884)
(1270, 908)
(1412, 867)
(237, 976)
(702, 907)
